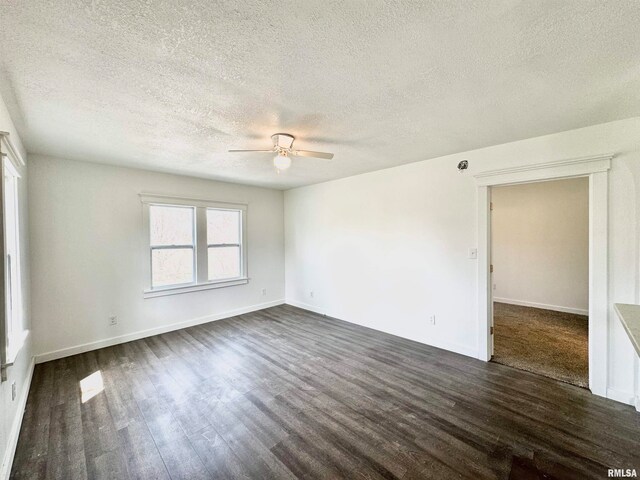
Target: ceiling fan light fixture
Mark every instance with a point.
(282, 161)
(283, 148)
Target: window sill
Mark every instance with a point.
(14, 348)
(162, 292)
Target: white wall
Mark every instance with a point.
(635, 171)
(11, 410)
(389, 248)
(88, 254)
(540, 244)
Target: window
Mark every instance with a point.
(224, 250)
(13, 334)
(193, 244)
(172, 245)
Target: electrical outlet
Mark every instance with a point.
(432, 319)
(264, 292)
(311, 294)
(14, 391)
(113, 320)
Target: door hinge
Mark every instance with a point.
(491, 268)
(491, 206)
(491, 330)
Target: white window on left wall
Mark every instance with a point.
(193, 244)
(13, 332)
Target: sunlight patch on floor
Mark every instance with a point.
(91, 386)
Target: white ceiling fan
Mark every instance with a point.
(283, 148)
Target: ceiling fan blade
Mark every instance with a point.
(307, 153)
(236, 151)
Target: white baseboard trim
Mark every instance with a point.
(621, 396)
(544, 306)
(451, 347)
(108, 342)
(14, 433)
(305, 306)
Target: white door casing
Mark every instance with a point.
(596, 168)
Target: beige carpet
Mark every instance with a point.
(549, 343)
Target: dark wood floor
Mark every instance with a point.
(284, 393)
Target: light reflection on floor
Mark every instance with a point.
(91, 386)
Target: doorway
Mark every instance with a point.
(596, 169)
(540, 277)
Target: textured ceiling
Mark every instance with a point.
(171, 85)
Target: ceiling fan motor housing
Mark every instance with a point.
(282, 141)
(283, 146)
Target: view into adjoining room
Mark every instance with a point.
(540, 281)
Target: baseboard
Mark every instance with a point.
(544, 306)
(14, 433)
(451, 347)
(621, 396)
(108, 342)
(305, 306)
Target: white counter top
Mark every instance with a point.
(630, 318)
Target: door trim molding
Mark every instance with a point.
(573, 167)
(596, 168)
(10, 148)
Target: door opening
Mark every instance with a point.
(596, 169)
(539, 278)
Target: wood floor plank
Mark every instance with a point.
(217, 456)
(143, 460)
(66, 456)
(30, 460)
(246, 444)
(178, 455)
(286, 393)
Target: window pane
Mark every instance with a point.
(171, 266)
(224, 262)
(171, 225)
(223, 226)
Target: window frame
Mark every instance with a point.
(223, 245)
(192, 246)
(201, 246)
(13, 334)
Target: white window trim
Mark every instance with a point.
(12, 337)
(201, 277)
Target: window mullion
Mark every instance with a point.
(201, 245)
(243, 244)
